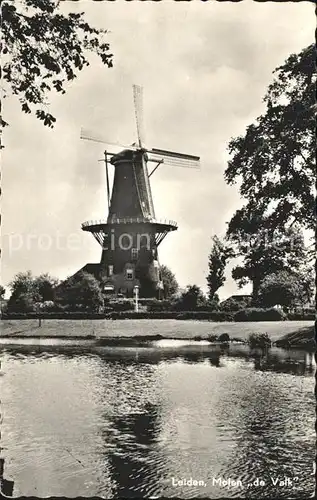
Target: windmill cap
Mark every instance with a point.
(126, 155)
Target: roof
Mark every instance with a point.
(238, 297)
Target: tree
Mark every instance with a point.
(283, 288)
(191, 299)
(218, 258)
(169, 282)
(274, 161)
(25, 293)
(2, 291)
(28, 291)
(42, 50)
(46, 285)
(80, 291)
(263, 251)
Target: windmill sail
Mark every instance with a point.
(142, 177)
(138, 108)
(176, 159)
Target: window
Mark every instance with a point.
(134, 253)
(129, 274)
(110, 270)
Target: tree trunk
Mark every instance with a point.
(255, 291)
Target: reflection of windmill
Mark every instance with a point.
(131, 234)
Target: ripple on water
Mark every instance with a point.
(84, 424)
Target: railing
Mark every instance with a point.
(128, 220)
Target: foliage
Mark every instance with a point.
(264, 251)
(274, 161)
(259, 314)
(81, 290)
(217, 261)
(2, 291)
(259, 340)
(180, 315)
(301, 316)
(123, 305)
(224, 337)
(303, 338)
(217, 316)
(283, 288)
(212, 338)
(159, 305)
(44, 49)
(24, 293)
(191, 299)
(213, 304)
(29, 291)
(22, 302)
(235, 304)
(169, 282)
(46, 285)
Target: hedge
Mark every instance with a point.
(56, 315)
(301, 316)
(257, 314)
(194, 315)
(110, 314)
(248, 314)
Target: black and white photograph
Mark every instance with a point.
(157, 285)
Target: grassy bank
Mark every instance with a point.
(168, 328)
(304, 338)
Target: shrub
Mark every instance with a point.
(143, 315)
(123, 305)
(57, 315)
(235, 304)
(257, 314)
(259, 340)
(306, 316)
(158, 305)
(207, 315)
(212, 338)
(224, 337)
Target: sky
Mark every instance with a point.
(205, 67)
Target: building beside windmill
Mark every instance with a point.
(131, 234)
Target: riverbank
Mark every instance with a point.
(168, 329)
(304, 338)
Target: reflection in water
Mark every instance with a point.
(122, 422)
(274, 359)
(132, 438)
(6, 486)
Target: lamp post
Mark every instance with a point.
(136, 296)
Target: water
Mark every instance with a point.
(123, 422)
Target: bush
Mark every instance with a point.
(123, 305)
(194, 315)
(234, 304)
(158, 305)
(304, 338)
(143, 315)
(224, 337)
(259, 340)
(206, 315)
(57, 315)
(257, 314)
(212, 338)
(306, 316)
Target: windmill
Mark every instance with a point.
(131, 234)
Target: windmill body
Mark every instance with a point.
(131, 234)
